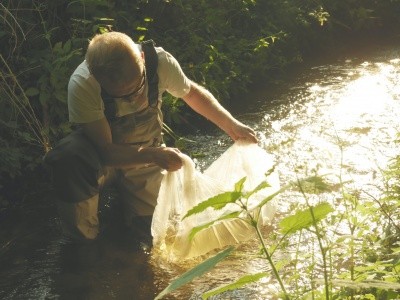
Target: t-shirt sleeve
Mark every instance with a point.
(84, 101)
(171, 76)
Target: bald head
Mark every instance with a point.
(114, 59)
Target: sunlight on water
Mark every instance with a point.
(340, 120)
(359, 114)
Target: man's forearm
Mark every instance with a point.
(204, 103)
(126, 156)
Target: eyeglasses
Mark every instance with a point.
(137, 92)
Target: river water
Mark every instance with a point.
(339, 117)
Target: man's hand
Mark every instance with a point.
(167, 158)
(239, 131)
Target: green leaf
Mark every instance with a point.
(235, 285)
(272, 196)
(31, 92)
(239, 184)
(261, 186)
(195, 272)
(196, 229)
(67, 46)
(106, 19)
(198, 154)
(61, 96)
(57, 46)
(314, 185)
(180, 143)
(44, 97)
(216, 202)
(303, 219)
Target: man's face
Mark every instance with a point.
(130, 89)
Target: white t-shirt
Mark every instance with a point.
(84, 92)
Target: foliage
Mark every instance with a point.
(352, 265)
(36, 61)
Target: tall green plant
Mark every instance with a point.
(299, 221)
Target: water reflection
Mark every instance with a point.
(356, 115)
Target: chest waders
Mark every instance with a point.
(78, 171)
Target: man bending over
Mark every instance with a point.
(118, 122)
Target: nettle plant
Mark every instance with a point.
(333, 253)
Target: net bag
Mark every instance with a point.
(181, 190)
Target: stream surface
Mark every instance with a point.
(353, 101)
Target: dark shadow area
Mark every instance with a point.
(37, 262)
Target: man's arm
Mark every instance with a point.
(204, 103)
(118, 155)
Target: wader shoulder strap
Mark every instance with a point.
(151, 61)
(151, 65)
(110, 108)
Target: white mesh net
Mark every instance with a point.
(183, 189)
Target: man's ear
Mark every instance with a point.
(142, 53)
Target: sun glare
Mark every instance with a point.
(363, 100)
